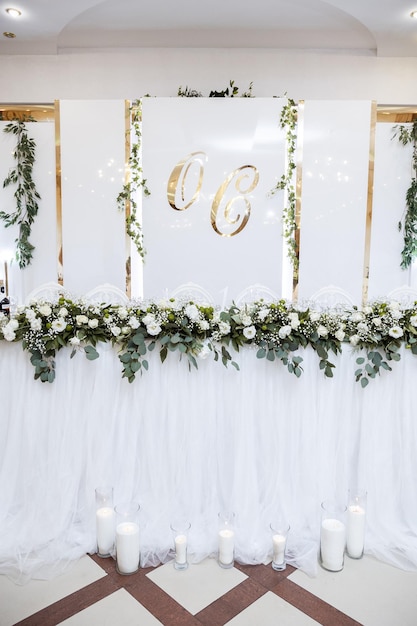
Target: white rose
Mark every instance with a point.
(395, 332)
(294, 320)
(45, 310)
(13, 324)
(36, 324)
(322, 331)
(396, 314)
(284, 331)
(93, 323)
(340, 334)
(315, 316)
(377, 321)
(148, 319)
(30, 314)
(413, 320)
(367, 310)
(249, 332)
(115, 330)
(59, 325)
(357, 316)
(74, 341)
(192, 312)
(262, 314)
(153, 328)
(362, 327)
(63, 312)
(245, 319)
(123, 313)
(8, 334)
(354, 340)
(134, 322)
(81, 319)
(224, 328)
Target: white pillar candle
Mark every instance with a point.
(278, 546)
(355, 531)
(226, 546)
(105, 517)
(181, 549)
(127, 547)
(332, 544)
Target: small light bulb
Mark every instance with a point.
(413, 14)
(14, 12)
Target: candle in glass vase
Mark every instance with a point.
(127, 538)
(226, 546)
(127, 547)
(332, 536)
(105, 522)
(356, 521)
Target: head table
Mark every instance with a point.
(257, 441)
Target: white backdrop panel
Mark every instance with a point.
(334, 196)
(92, 159)
(391, 181)
(182, 246)
(43, 267)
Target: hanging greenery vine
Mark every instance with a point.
(288, 122)
(26, 195)
(127, 197)
(408, 135)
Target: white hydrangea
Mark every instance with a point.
(357, 316)
(63, 312)
(363, 327)
(148, 319)
(122, 312)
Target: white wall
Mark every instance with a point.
(159, 72)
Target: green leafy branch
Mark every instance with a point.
(374, 361)
(288, 122)
(26, 195)
(231, 91)
(127, 197)
(408, 135)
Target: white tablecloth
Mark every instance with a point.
(257, 441)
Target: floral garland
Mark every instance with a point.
(277, 330)
(26, 195)
(127, 197)
(407, 135)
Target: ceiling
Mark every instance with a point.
(379, 27)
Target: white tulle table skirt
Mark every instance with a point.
(256, 441)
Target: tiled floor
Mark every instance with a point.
(366, 592)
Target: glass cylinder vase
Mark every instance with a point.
(226, 537)
(180, 529)
(332, 536)
(105, 521)
(356, 522)
(127, 538)
(279, 530)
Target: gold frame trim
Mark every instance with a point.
(298, 195)
(58, 175)
(369, 202)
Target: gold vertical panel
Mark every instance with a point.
(369, 203)
(59, 239)
(127, 206)
(298, 195)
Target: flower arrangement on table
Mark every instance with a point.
(278, 331)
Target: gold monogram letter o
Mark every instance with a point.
(176, 188)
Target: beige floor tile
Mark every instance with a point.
(19, 601)
(271, 610)
(199, 585)
(118, 609)
(371, 592)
